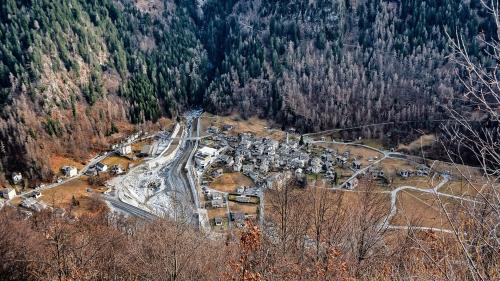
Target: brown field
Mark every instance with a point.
(349, 200)
(62, 195)
(218, 212)
(419, 143)
(420, 209)
(243, 208)
(376, 143)
(120, 160)
(456, 170)
(16, 201)
(344, 174)
(317, 180)
(391, 166)
(58, 161)
(352, 199)
(374, 185)
(137, 146)
(229, 181)
(357, 152)
(461, 188)
(419, 182)
(253, 125)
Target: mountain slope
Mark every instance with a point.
(73, 72)
(323, 64)
(70, 70)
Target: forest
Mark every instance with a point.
(70, 69)
(75, 73)
(344, 243)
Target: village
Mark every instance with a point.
(254, 164)
(219, 172)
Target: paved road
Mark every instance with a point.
(386, 154)
(174, 174)
(177, 178)
(91, 163)
(129, 209)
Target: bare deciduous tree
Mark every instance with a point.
(475, 136)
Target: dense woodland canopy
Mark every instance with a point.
(70, 69)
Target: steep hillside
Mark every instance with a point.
(323, 64)
(74, 72)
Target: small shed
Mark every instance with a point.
(101, 167)
(356, 164)
(239, 217)
(125, 149)
(69, 171)
(17, 178)
(352, 184)
(8, 193)
(227, 128)
(218, 221)
(404, 173)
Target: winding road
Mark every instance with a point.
(82, 172)
(394, 193)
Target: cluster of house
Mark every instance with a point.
(378, 173)
(217, 200)
(421, 171)
(125, 147)
(161, 143)
(271, 164)
(258, 158)
(205, 156)
(103, 168)
(237, 218)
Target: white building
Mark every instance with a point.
(316, 165)
(125, 149)
(299, 172)
(264, 167)
(238, 163)
(240, 189)
(101, 167)
(217, 196)
(17, 178)
(8, 193)
(69, 171)
(352, 184)
(205, 156)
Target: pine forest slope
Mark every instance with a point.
(71, 70)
